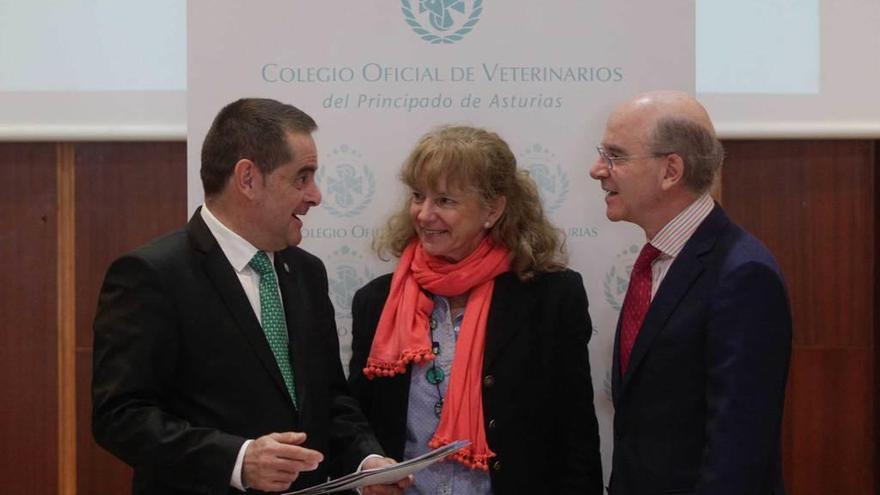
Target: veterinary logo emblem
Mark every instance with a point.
(348, 185)
(441, 21)
(548, 174)
(617, 278)
(346, 272)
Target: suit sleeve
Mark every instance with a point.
(351, 438)
(748, 345)
(581, 469)
(136, 351)
(364, 316)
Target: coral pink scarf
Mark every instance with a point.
(402, 336)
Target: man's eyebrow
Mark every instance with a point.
(613, 148)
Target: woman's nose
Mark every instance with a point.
(426, 210)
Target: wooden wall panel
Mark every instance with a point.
(828, 429)
(28, 324)
(876, 262)
(127, 194)
(813, 204)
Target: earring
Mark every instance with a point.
(488, 224)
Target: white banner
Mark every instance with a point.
(378, 74)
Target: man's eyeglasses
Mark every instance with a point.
(609, 158)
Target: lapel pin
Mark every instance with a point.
(286, 268)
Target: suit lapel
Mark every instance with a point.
(615, 366)
(685, 270)
(224, 279)
(296, 309)
(511, 304)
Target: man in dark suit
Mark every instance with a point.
(216, 364)
(702, 347)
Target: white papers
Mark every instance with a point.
(385, 475)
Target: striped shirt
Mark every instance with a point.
(673, 236)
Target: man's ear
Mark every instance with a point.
(246, 177)
(673, 171)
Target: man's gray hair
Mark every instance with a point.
(698, 147)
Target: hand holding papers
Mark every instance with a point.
(382, 476)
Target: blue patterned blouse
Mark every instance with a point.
(426, 390)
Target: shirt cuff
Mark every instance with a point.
(361, 465)
(235, 481)
(361, 468)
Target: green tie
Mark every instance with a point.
(272, 316)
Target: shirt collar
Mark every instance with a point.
(238, 251)
(673, 236)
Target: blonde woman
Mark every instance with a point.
(480, 333)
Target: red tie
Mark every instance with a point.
(636, 302)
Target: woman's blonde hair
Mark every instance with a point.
(477, 160)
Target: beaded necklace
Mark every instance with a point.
(436, 375)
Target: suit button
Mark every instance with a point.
(492, 424)
(488, 381)
(496, 466)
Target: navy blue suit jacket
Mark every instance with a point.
(699, 410)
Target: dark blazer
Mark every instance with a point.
(537, 391)
(699, 409)
(183, 373)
